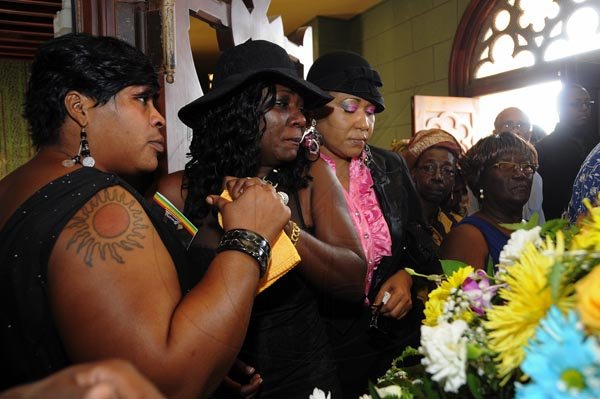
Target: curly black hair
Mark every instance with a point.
(96, 66)
(226, 142)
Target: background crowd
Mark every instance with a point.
(298, 233)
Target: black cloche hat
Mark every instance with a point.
(347, 72)
(251, 60)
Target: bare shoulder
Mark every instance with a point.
(325, 184)
(110, 254)
(466, 243)
(320, 170)
(171, 187)
(109, 225)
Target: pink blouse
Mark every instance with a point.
(366, 216)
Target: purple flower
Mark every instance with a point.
(479, 291)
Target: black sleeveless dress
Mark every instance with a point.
(286, 340)
(30, 346)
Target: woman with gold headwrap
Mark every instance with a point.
(432, 157)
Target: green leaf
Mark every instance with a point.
(523, 225)
(489, 269)
(409, 351)
(373, 392)
(430, 277)
(450, 266)
(475, 351)
(429, 389)
(552, 226)
(474, 384)
(555, 279)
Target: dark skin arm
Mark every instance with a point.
(170, 186)
(129, 304)
(106, 379)
(332, 259)
(466, 244)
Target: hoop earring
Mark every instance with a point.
(83, 156)
(312, 140)
(481, 196)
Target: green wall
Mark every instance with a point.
(408, 42)
(15, 145)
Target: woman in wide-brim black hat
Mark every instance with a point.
(252, 124)
(387, 217)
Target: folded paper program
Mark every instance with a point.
(284, 256)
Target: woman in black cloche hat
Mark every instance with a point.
(387, 216)
(251, 125)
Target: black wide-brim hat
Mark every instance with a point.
(347, 72)
(254, 59)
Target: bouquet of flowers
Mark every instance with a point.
(529, 330)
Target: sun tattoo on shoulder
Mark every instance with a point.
(110, 223)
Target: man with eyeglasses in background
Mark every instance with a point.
(561, 153)
(516, 121)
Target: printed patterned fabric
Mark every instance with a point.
(586, 185)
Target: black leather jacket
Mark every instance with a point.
(412, 245)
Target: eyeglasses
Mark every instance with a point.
(582, 103)
(445, 170)
(516, 125)
(526, 168)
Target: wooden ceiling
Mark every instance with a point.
(25, 24)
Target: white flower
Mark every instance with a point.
(516, 244)
(445, 353)
(389, 391)
(318, 394)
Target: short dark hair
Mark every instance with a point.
(488, 151)
(96, 66)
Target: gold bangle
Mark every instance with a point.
(294, 232)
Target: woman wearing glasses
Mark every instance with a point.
(499, 170)
(432, 156)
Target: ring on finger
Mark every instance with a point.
(284, 197)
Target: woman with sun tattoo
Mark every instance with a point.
(88, 270)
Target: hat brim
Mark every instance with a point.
(312, 95)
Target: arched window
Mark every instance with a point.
(503, 45)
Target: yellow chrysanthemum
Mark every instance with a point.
(527, 298)
(589, 235)
(588, 300)
(435, 302)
